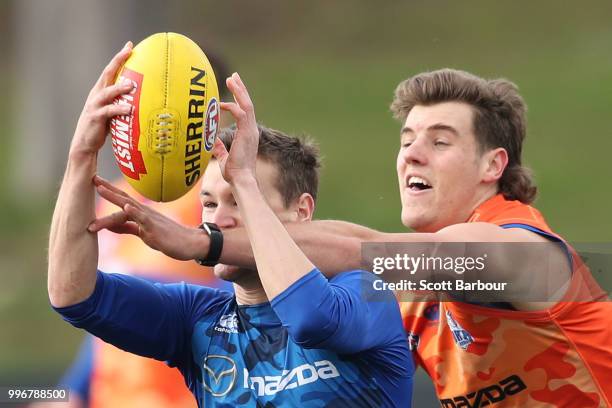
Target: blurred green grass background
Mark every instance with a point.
(329, 69)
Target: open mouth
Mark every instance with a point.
(418, 184)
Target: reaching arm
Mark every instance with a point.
(149, 319)
(73, 251)
(280, 262)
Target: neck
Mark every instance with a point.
(250, 292)
(481, 198)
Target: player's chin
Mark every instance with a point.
(416, 218)
(229, 273)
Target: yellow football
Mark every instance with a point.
(164, 145)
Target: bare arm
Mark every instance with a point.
(73, 251)
(333, 246)
(336, 246)
(280, 262)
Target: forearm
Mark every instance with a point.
(333, 246)
(73, 251)
(279, 260)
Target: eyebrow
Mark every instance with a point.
(205, 194)
(437, 126)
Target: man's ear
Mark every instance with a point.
(304, 207)
(495, 162)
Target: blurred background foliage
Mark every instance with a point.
(323, 68)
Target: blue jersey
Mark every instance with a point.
(319, 343)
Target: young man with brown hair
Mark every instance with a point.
(461, 180)
(288, 336)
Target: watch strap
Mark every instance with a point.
(216, 244)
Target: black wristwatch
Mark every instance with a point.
(216, 244)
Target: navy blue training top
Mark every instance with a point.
(320, 343)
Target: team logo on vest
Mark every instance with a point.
(228, 323)
(461, 336)
(219, 374)
(413, 341)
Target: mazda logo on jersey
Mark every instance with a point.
(486, 396)
(219, 374)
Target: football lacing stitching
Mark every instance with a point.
(163, 138)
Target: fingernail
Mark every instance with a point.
(127, 44)
(127, 83)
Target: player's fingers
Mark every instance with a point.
(135, 213)
(108, 94)
(118, 199)
(110, 72)
(112, 110)
(101, 181)
(107, 222)
(129, 227)
(241, 94)
(239, 115)
(219, 150)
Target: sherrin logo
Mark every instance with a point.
(212, 123)
(195, 117)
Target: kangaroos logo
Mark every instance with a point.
(461, 336)
(413, 341)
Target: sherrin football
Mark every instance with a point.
(164, 145)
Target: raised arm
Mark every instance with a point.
(279, 260)
(73, 251)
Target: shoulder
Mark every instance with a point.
(486, 232)
(363, 284)
(196, 299)
(352, 277)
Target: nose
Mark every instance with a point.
(223, 216)
(415, 153)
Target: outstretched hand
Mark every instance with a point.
(240, 161)
(155, 229)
